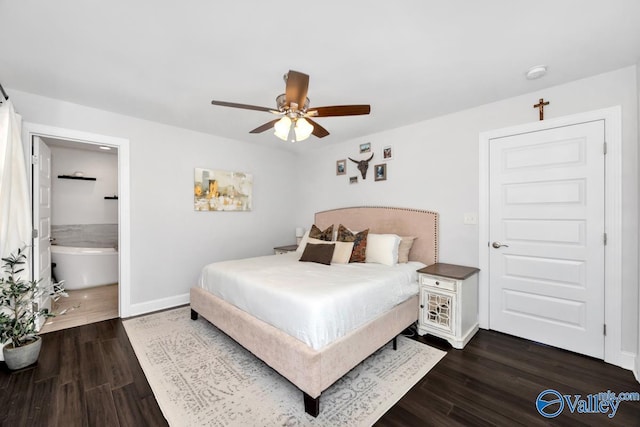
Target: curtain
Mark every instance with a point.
(15, 203)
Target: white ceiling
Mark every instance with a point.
(411, 60)
(63, 143)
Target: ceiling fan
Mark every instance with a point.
(296, 123)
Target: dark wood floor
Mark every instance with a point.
(496, 379)
(89, 376)
(85, 376)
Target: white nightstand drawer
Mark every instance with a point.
(438, 283)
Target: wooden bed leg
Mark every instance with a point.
(395, 342)
(311, 405)
(194, 314)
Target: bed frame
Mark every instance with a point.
(313, 371)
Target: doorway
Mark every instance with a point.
(76, 185)
(612, 283)
(121, 204)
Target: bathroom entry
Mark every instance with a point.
(75, 207)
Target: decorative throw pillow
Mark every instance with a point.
(405, 247)
(341, 253)
(383, 248)
(359, 252)
(319, 253)
(326, 235)
(303, 242)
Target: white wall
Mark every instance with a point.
(80, 201)
(435, 167)
(170, 242)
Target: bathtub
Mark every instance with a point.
(84, 267)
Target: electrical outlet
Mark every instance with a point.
(471, 218)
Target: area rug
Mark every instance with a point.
(201, 377)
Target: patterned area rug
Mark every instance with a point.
(201, 377)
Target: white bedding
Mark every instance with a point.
(313, 302)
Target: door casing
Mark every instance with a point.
(124, 223)
(613, 221)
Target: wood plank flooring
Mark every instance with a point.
(85, 306)
(89, 376)
(496, 379)
(85, 376)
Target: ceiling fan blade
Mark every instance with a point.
(318, 130)
(297, 86)
(243, 106)
(339, 110)
(265, 126)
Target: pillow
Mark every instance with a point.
(303, 241)
(383, 248)
(358, 254)
(326, 235)
(319, 253)
(341, 253)
(406, 243)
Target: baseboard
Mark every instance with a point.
(158, 304)
(627, 360)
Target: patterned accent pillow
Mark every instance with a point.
(326, 235)
(359, 252)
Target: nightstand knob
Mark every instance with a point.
(421, 305)
(437, 283)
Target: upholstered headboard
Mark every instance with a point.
(382, 220)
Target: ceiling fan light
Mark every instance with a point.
(303, 129)
(282, 127)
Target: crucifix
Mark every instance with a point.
(540, 105)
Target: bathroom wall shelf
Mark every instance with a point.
(111, 197)
(83, 178)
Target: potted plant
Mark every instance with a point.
(19, 313)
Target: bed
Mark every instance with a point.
(310, 364)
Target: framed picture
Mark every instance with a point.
(380, 172)
(341, 167)
(387, 153)
(215, 190)
(353, 180)
(365, 148)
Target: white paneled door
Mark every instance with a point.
(42, 213)
(547, 236)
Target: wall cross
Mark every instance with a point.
(540, 105)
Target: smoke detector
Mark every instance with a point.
(536, 72)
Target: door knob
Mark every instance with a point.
(499, 245)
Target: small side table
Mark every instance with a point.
(284, 249)
(449, 302)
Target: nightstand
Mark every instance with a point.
(448, 302)
(284, 249)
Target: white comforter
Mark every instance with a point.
(313, 302)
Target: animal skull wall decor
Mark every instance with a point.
(363, 165)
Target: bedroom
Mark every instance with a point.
(290, 185)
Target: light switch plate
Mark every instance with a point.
(471, 218)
